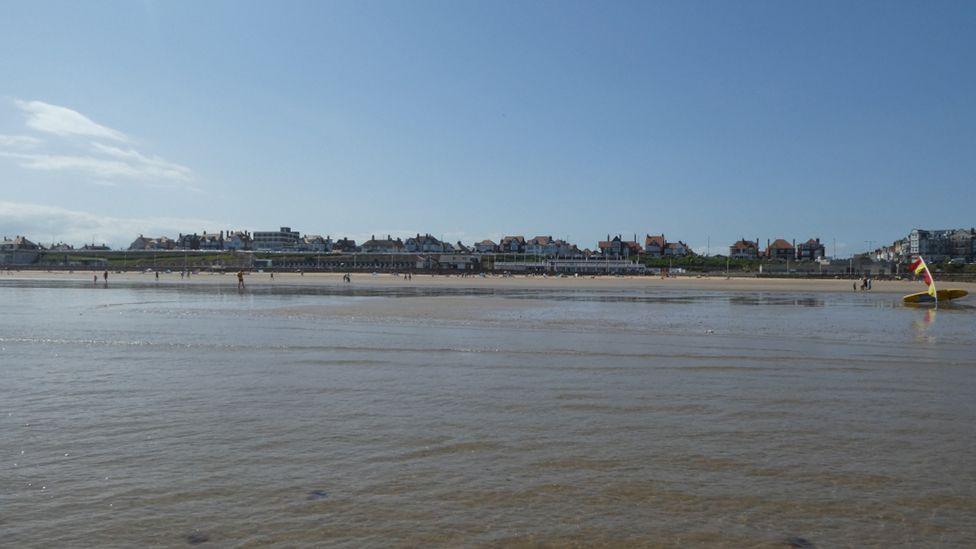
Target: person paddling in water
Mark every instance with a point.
(240, 280)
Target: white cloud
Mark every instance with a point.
(19, 141)
(158, 173)
(43, 223)
(150, 166)
(77, 153)
(63, 121)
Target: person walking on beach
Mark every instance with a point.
(105, 277)
(95, 281)
(240, 280)
(157, 276)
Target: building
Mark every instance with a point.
(486, 247)
(565, 249)
(780, 250)
(61, 247)
(811, 249)
(345, 245)
(315, 243)
(654, 245)
(618, 247)
(962, 245)
(540, 245)
(885, 253)
(382, 246)
(512, 244)
(425, 244)
(455, 262)
(676, 249)
(95, 248)
(933, 245)
(238, 240)
(19, 251)
(547, 246)
(211, 241)
(898, 252)
(143, 243)
(188, 241)
(281, 240)
(744, 249)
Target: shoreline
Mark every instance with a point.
(386, 280)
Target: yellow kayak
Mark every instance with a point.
(943, 295)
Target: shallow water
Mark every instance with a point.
(299, 416)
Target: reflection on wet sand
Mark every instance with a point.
(304, 416)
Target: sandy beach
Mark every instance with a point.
(712, 283)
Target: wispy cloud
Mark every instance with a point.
(150, 166)
(154, 172)
(43, 223)
(19, 141)
(75, 151)
(63, 121)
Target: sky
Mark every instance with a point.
(705, 121)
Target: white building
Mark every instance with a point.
(314, 243)
(283, 239)
(238, 240)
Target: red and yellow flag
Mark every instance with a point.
(919, 267)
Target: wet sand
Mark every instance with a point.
(481, 412)
(385, 280)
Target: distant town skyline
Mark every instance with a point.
(708, 122)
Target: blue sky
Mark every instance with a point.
(706, 121)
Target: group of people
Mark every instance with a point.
(865, 283)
